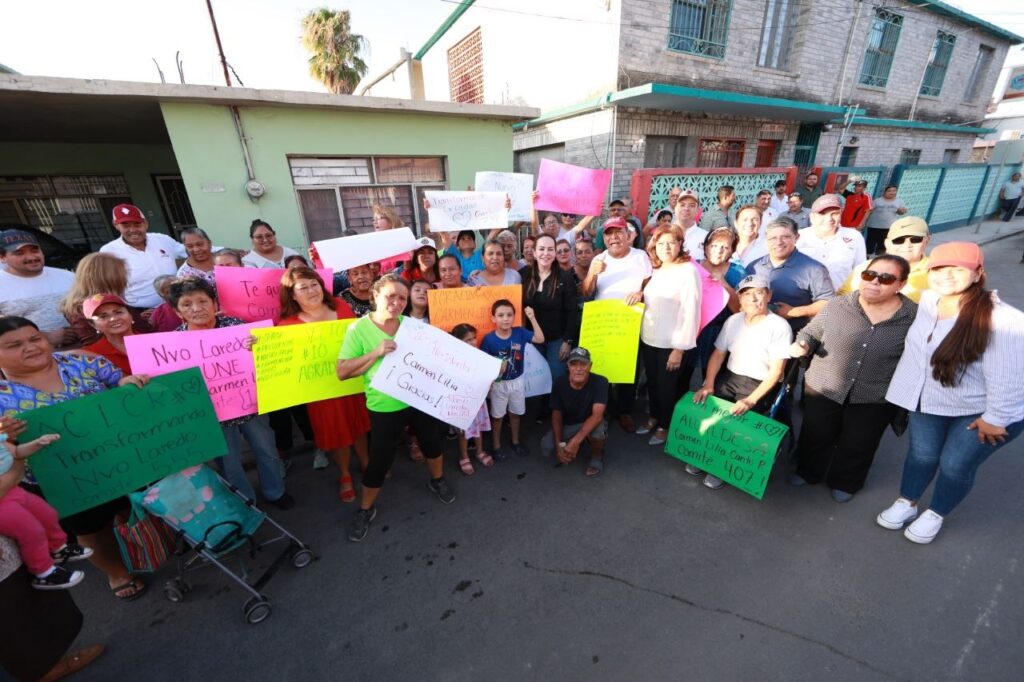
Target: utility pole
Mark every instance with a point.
(220, 48)
(847, 122)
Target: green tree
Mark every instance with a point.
(335, 62)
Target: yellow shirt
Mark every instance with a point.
(916, 282)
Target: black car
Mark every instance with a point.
(57, 253)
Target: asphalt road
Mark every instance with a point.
(538, 573)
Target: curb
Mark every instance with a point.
(1000, 237)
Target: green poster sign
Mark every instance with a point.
(738, 450)
(117, 441)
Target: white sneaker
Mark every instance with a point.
(320, 460)
(713, 482)
(897, 515)
(924, 529)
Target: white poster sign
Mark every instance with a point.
(437, 373)
(457, 211)
(519, 186)
(536, 372)
(343, 253)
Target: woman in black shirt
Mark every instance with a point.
(551, 293)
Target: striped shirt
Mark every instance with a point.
(992, 386)
(854, 359)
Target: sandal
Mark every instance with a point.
(467, 466)
(415, 454)
(135, 584)
(594, 467)
(485, 459)
(72, 663)
(347, 493)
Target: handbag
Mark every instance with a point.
(145, 542)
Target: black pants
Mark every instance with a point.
(386, 429)
(1009, 206)
(875, 240)
(622, 397)
(663, 386)
(838, 441)
(281, 423)
(733, 387)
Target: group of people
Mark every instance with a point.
(904, 337)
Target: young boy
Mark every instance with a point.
(508, 392)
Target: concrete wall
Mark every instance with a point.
(136, 162)
(880, 146)
(209, 155)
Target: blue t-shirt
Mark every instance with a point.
(799, 281)
(512, 350)
(474, 262)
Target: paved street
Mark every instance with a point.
(539, 573)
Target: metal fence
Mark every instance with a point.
(650, 186)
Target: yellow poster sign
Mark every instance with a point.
(611, 332)
(295, 364)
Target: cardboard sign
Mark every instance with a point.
(471, 305)
(739, 450)
(713, 297)
(437, 373)
(226, 363)
(518, 186)
(295, 364)
(253, 294)
(536, 372)
(564, 188)
(457, 211)
(611, 332)
(342, 253)
(116, 441)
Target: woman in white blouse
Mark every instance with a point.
(266, 252)
(961, 378)
(669, 327)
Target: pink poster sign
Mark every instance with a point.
(252, 294)
(226, 363)
(713, 297)
(565, 188)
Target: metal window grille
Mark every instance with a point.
(699, 27)
(938, 63)
(982, 62)
(881, 48)
(910, 157)
(664, 152)
(721, 153)
(466, 69)
(767, 153)
(776, 34)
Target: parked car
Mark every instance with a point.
(58, 254)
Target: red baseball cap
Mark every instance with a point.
(826, 202)
(127, 213)
(93, 303)
(960, 254)
(615, 224)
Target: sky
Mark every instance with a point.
(119, 39)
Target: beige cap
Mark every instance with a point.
(908, 225)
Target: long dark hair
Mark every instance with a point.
(968, 339)
(533, 272)
(289, 306)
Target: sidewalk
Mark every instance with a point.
(982, 233)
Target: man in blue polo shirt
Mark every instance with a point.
(800, 285)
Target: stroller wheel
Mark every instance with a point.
(174, 593)
(302, 558)
(256, 610)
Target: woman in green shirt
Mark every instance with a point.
(366, 343)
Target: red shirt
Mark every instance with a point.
(107, 350)
(344, 311)
(857, 206)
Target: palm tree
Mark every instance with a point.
(335, 62)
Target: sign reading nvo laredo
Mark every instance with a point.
(119, 440)
(738, 450)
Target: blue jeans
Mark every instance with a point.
(945, 445)
(550, 349)
(261, 440)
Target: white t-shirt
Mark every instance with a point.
(255, 260)
(622, 276)
(567, 235)
(672, 314)
(844, 250)
(756, 250)
(693, 242)
(145, 266)
(36, 298)
(752, 347)
(780, 206)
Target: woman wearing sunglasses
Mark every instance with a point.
(962, 378)
(908, 238)
(855, 344)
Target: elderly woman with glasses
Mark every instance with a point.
(855, 345)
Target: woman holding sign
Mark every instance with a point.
(339, 424)
(552, 294)
(366, 343)
(36, 376)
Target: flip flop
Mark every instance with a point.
(594, 467)
(484, 459)
(467, 466)
(140, 589)
(72, 663)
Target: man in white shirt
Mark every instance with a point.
(686, 218)
(764, 202)
(147, 255)
(31, 290)
(779, 201)
(839, 249)
(617, 273)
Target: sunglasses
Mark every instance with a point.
(916, 239)
(882, 277)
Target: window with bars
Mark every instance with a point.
(466, 69)
(777, 34)
(337, 195)
(938, 64)
(982, 62)
(73, 208)
(661, 151)
(699, 27)
(881, 48)
(910, 157)
(720, 153)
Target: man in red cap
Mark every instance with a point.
(839, 249)
(146, 255)
(30, 289)
(687, 207)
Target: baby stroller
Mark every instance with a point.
(209, 523)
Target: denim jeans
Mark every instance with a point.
(945, 445)
(550, 349)
(261, 440)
